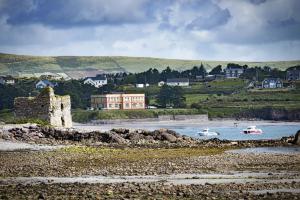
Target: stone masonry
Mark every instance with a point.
(46, 106)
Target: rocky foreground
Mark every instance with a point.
(123, 137)
(160, 153)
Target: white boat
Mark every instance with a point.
(206, 132)
(252, 130)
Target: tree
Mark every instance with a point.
(216, 70)
(171, 96)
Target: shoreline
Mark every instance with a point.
(136, 124)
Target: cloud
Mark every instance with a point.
(70, 13)
(217, 19)
(257, 1)
(189, 29)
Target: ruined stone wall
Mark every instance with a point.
(46, 106)
(60, 114)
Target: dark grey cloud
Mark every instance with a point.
(284, 23)
(257, 1)
(216, 19)
(70, 13)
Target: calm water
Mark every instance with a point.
(234, 133)
(227, 130)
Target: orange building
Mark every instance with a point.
(118, 101)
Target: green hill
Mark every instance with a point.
(21, 64)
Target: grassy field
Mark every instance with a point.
(14, 64)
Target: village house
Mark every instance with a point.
(178, 82)
(272, 83)
(7, 80)
(141, 85)
(161, 83)
(233, 71)
(118, 101)
(293, 74)
(97, 81)
(45, 83)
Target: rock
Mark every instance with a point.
(117, 139)
(149, 138)
(297, 138)
(120, 130)
(41, 196)
(134, 137)
(168, 137)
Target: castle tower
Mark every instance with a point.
(46, 106)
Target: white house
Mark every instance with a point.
(233, 71)
(7, 80)
(178, 82)
(272, 83)
(44, 83)
(161, 83)
(141, 85)
(97, 81)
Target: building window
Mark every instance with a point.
(110, 105)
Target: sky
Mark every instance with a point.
(239, 30)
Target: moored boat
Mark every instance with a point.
(252, 130)
(206, 132)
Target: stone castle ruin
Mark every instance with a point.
(46, 106)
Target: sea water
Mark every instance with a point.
(236, 133)
(227, 130)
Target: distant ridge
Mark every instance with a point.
(22, 64)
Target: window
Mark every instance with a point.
(62, 121)
(110, 105)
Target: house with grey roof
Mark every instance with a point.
(272, 83)
(234, 71)
(45, 83)
(293, 74)
(97, 81)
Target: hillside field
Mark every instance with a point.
(21, 64)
